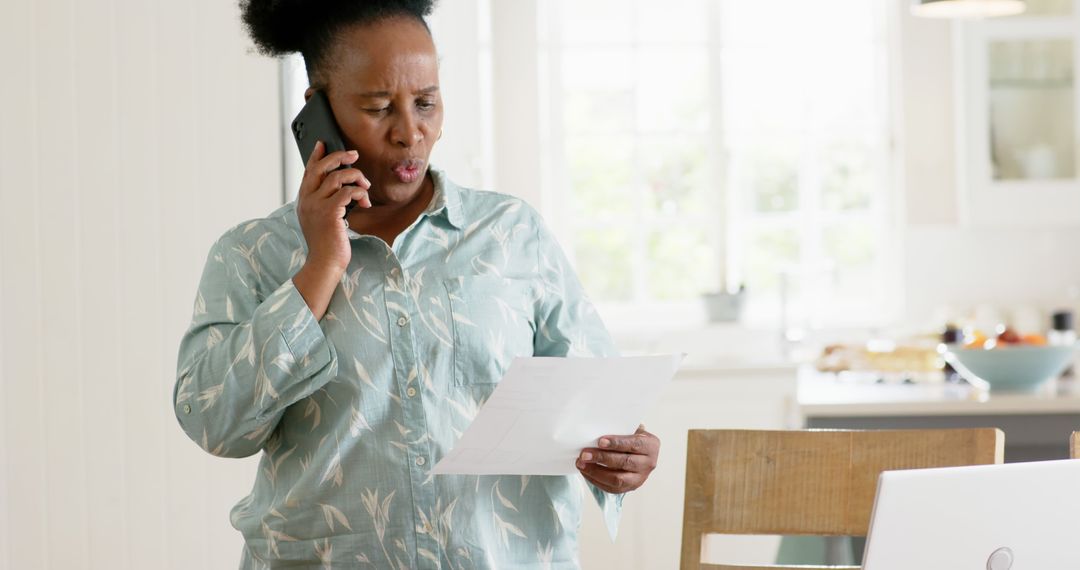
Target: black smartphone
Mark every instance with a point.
(315, 122)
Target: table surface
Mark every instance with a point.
(827, 395)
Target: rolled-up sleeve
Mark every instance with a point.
(568, 325)
(567, 321)
(244, 360)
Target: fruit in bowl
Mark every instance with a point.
(1009, 361)
(1005, 337)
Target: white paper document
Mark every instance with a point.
(546, 410)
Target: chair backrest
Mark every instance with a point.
(1074, 445)
(808, 482)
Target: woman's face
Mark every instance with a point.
(383, 85)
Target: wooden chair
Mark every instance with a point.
(806, 482)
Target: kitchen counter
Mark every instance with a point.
(1036, 425)
(826, 396)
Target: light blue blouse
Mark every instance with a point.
(351, 412)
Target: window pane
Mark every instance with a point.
(672, 21)
(599, 90)
(681, 263)
(598, 111)
(601, 179)
(766, 178)
(847, 90)
(672, 89)
(599, 68)
(767, 253)
(850, 176)
(676, 176)
(797, 22)
(596, 22)
(839, 22)
(762, 89)
(850, 246)
(605, 263)
(765, 22)
(769, 264)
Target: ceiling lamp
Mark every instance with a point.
(966, 8)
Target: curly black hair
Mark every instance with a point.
(281, 27)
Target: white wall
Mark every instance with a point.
(134, 133)
(953, 270)
(927, 119)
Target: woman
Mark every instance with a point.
(355, 354)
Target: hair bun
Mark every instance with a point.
(276, 26)
(281, 27)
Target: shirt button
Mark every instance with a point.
(187, 408)
(427, 528)
(402, 321)
(421, 461)
(410, 392)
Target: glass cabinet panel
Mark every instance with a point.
(1032, 106)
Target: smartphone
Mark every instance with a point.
(315, 122)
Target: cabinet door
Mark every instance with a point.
(1019, 101)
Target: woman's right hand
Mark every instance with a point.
(320, 205)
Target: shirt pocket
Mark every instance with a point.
(492, 322)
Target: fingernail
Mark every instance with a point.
(586, 456)
(354, 154)
(605, 442)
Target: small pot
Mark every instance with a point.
(724, 307)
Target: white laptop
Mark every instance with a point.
(1018, 516)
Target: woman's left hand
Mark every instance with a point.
(621, 463)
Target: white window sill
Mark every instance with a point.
(682, 327)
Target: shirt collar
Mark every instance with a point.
(447, 199)
(446, 203)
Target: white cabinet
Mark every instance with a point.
(1018, 104)
(651, 527)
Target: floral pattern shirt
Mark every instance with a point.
(352, 411)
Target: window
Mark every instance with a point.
(717, 143)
